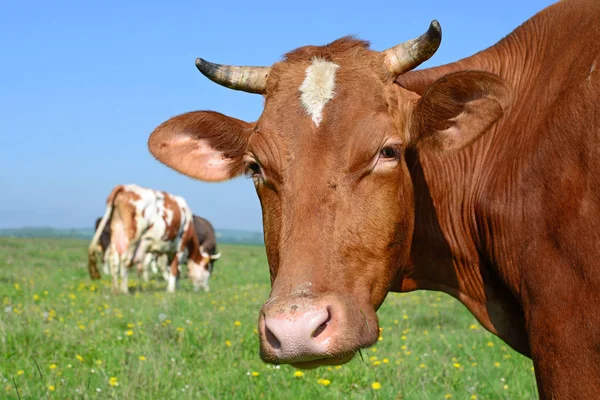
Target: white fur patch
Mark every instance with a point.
(317, 88)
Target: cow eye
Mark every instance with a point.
(253, 170)
(388, 152)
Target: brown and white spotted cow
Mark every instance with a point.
(146, 221)
(479, 178)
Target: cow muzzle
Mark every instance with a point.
(309, 331)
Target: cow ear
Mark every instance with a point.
(204, 145)
(457, 108)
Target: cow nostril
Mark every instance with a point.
(272, 339)
(323, 326)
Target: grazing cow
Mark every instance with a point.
(208, 248)
(479, 178)
(144, 221)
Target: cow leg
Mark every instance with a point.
(105, 263)
(124, 275)
(153, 264)
(563, 320)
(146, 265)
(162, 263)
(173, 279)
(566, 355)
(114, 261)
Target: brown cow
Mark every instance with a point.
(480, 178)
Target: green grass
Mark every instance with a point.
(204, 345)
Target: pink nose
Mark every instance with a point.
(298, 336)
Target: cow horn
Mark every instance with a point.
(215, 256)
(203, 252)
(247, 79)
(412, 53)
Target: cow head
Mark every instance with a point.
(327, 160)
(208, 260)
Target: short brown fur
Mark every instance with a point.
(489, 191)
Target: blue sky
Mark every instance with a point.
(84, 83)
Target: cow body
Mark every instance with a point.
(480, 178)
(149, 222)
(152, 262)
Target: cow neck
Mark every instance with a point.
(447, 252)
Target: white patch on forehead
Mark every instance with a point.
(317, 88)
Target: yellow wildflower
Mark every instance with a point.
(298, 374)
(254, 373)
(227, 343)
(447, 396)
(142, 358)
(36, 297)
(385, 361)
(490, 344)
(473, 397)
(496, 364)
(129, 332)
(52, 366)
(20, 372)
(79, 358)
(237, 323)
(324, 382)
(456, 365)
(376, 385)
(99, 362)
(51, 388)
(113, 381)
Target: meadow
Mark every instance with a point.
(63, 336)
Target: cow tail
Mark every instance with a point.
(92, 266)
